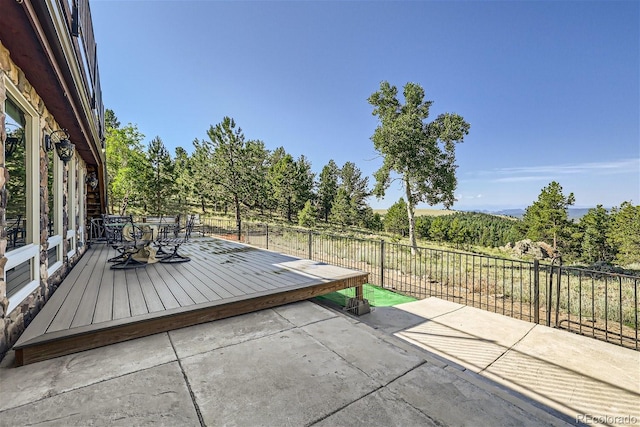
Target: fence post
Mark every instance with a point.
(382, 263)
(536, 291)
(310, 242)
(550, 295)
(267, 226)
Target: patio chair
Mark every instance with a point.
(113, 226)
(168, 246)
(135, 248)
(15, 232)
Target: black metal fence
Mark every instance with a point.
(593, 303)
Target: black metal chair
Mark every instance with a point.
(15, 232)
(113, 226)
(135, 247)
(168, 246)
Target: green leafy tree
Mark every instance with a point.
(595, 244)
(327, 188)
(125, 159)
(547, 218)
(396, 220)
(422, 154)
(624, 233)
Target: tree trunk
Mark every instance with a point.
(411, 216)
(125, 203)
(236, 202)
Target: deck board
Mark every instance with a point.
(121, 308)
(87, 306)
(172, 272)
(169, 300)
(64, 319)
(96, 306)
(137, 303)
(149, 292)
(104, 304)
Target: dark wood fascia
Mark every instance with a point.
(27, 31)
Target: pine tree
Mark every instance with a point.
(595, 245)
(341, 212)
(624, 233)
(396, 220)
(547, 219)
(307, 216)
(327, 189)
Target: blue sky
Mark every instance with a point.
(551, 89)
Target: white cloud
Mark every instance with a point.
(548, 172)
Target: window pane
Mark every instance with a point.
(15, 162)
(18, 277)
(50, 182)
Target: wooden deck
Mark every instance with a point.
(96, 306)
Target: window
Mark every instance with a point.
(16, 164)
(81, 197)
(23, 196)
(54, 202)
(71, 206)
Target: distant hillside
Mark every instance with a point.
(422, 212)
(574, 213)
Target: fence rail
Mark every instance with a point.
(593, 303)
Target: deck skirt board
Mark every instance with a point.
(95, 306)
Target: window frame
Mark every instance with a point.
(55, 241)
(71, 207)
(30, 252)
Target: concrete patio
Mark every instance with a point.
(585, 379)
(304, 364)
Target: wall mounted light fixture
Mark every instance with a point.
(92, 180)
(13, 141)
(60, 140)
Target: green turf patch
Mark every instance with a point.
(377, 296)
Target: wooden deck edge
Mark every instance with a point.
(38, 351)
